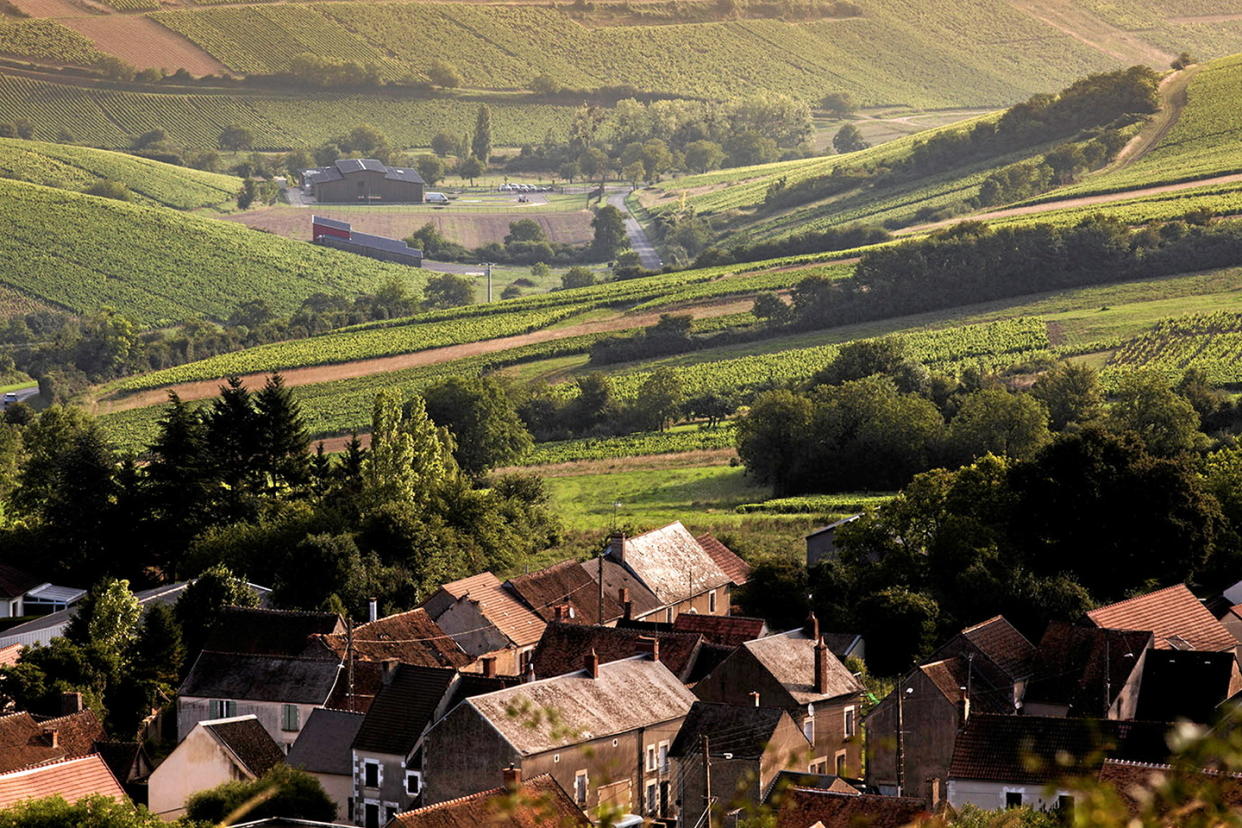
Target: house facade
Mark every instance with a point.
(323, 749)
(485, 619)
(212, 753)
(364, 179)
(603, 733)
(795, 671)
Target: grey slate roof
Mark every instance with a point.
(261, 678)
(403, 709)
(790, 658)
(673, 564)
(349, 166)
(248, 741)
(628, 694)
(324, 743)
(333, 223)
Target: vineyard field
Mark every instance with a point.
(114, 118)
(1209, 342)
(816, 504)
(47, 39)
(81, 253)
(690, 438)
(75, 168)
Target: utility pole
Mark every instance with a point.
(349, 661)
(602, 552)
(707, 781)
(488, 265)
(901, 726)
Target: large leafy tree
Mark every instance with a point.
(486, 428)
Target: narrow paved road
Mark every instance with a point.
(638, 236)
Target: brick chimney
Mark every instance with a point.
(70, 703)
(616, 547)
(811, 628)
(389, 669)
(529, 676)
(489, 666)
(649, 644)
(513, 778)
(627, 605)
(591, 663)
(821, 666)
(53, 738)
(558, 613)
(754, 695)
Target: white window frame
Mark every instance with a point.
(417, 777)
(651, 759)
(582, 787)
(1009, 789)
(839, 762)
(849, 722)
(808, 728)
(391, 809)
(379, 775)
(367, 803)
(651, 798)
(662, 756)
(711, 602)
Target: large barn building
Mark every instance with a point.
(342, 236)
(364, 179)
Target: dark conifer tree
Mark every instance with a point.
(233, 439)
(282, 437)
(180, 480)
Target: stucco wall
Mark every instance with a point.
(191, 711)
(931, 725)
(198, 763)
(391, 789)
(339, 788)
(991, 795)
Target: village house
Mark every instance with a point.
(809, 807)
(1005, 761)
(1186, 684)
(212, 753)
(821, 544)
(602, 733)
(364, 179)
(565, 646)
(564, 592)
(270, 632)
(1087, 672)
(385, 755)
(746, 749)
(70, 779)
(411, 637)
(485, 619)
(1174, 616)
(535, 803)
(995, 651)
(685, 574)
(26, 741)
(723, 630)
(280, 691)
(797, 672)
(323, 749)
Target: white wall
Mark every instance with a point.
(339, 789)
(991, 795)
(191, 711)
(198, 763)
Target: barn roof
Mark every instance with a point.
(1075, 664)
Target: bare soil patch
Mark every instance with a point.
(49, 8)
(643, 462)
(1173, 99)
(143, 43)
(469, 229)
(314, 375)
(1094, 32)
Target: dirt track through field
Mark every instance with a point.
(1173, 99)
(143, 43)
(1094, 32)
(316, 374)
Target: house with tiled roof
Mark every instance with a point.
(1003, 761)
(564, 592)
(1087, 672)
(485, 619)
(70, 779)
(725, 630)
(1139, 784)
(676, 568)
(564, 646)
(797, 672)
(748, 748)
(535, 803)
(212, 753)
(728, 561)
(1174, 616)
(281, 691)
(1000, 654)
(324, 750)
(803, 807)
(26, 741)
(270, 632)
(592, 730)
(386, 753)
(411, 637)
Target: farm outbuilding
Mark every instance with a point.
(364, 179)
(342, 236)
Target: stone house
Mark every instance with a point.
(1087, 672)
(1176, 619)
(485, 619)
(212, 753)
(602, 733)
(564, 592)
(795, 671)
(323, 748)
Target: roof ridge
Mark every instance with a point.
(285, 612)
(470, 797)
(54, 762)
(993, 619)
(268, 656)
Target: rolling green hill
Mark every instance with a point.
(76, 168)
(81, 253)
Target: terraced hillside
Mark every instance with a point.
(80, 253)
(113, 117)
(77, 168)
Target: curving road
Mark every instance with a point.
(646, 251)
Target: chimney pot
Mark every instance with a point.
(373, 609)
(389, 669)
(53, 737)
(592, 663)
(513, 777)
(821, 666)
(812, 627)
(616, 547)
(649, 644)
(489, 666)
(754, 694)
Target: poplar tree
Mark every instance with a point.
(481, 145)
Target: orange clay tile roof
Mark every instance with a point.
(539, 802)
(411, 637)
(10, 654)
(728, 630)
(566, 583)
(500, 608)
(733, 566)
(25, 742)
(803, 807)
(951, 675)
(72, 779)
(1000, 641)
(1177, 619)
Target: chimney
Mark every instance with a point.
(616, 547)
(754, 694)
(489, 666)
(513, 778)
(559, 613)
(821, 666)
(624, 596)
(70, 703)
(935, 794)
(963, 709)
(592, 663)
(649, 644)
(812, 627)
(389, 669)
(373, 609)
(529, 676)
(53, 738)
